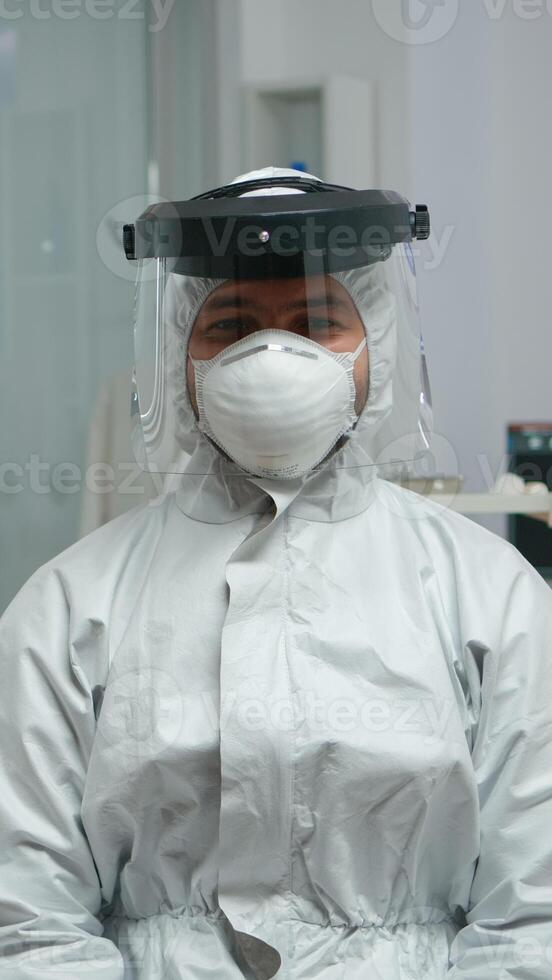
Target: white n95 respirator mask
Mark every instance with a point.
(275, 402)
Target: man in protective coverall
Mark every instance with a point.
(290, 720)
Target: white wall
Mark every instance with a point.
(185, 95)
(229, 46)
(320, 37)
(463, 125)
(450, 122)
(482, 156)
(520, 235)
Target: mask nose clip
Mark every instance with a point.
(282, 348)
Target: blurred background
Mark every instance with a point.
(108, 105)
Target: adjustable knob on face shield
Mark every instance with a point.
(420, 223)
(129, 243)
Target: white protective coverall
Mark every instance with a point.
(261, 728)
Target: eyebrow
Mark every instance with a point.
(332, 302)
(243, 302)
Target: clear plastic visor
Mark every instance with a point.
(277, 375)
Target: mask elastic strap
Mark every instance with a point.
(360, 348)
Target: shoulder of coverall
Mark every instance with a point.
(94, 563)
(478, 574)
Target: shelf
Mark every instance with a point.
(494, 503)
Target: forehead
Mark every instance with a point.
(276, 293)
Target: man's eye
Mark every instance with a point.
(319, 323)
(226, 326)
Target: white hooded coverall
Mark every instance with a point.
(299, 729)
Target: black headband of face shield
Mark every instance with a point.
(221, 233)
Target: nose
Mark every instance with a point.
(283, 322)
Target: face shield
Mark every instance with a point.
(274, 332)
